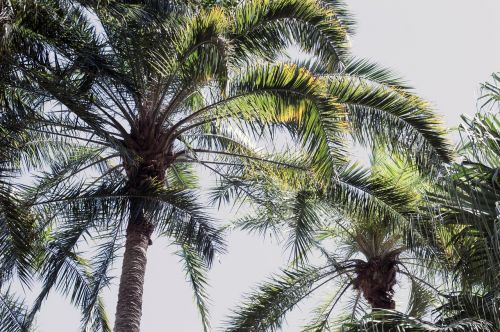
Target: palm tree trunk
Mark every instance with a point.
(141, 178)
(129, 307)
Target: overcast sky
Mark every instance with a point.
(444, 48)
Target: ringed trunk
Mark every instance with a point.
(143, 176)
(129, 306)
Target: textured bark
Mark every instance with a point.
(376, 280)
(129, 307)
(145, 172)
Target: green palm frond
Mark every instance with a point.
(385, 321)
(195, 269)
(421, 299)
(466, 204)
(303, 222)
(491, 91)
(70, 274)
(70, 216)
(373, 72)
(13, 312)
(469, 202)
(272, 95)
(374, 96)
(268, 27)
(361, 195)
(264, 309)
(322, 317)
(467, 305)
(180, 217)
(480, 144)
(94, 311)
(384, 115)
(18, 238)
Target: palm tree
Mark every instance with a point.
(468, 206)
(17, 227)
(465, 204)
(368, 228)
(20, 240)
(155, 87)
(151, 88)
(372, 233)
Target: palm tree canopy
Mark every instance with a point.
(368, 227)
(467, 201)
(152, 87)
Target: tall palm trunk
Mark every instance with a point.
(142, 177)
(129, 307)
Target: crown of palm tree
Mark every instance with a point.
(368, 228)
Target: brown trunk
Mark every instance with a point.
(376, 279)
(129, 307)
(145, 172)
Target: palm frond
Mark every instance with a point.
(382, 321)
(358, 194)
(18, 239)
(266, 27)
(322, 320)
(421, 299)
(195, 269)
(70, 274)
(467, 305)
(303, 223)
(389, 116)
(13, 313)
(264, 309)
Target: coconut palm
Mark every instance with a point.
(151, 88)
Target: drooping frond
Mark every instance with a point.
(195, 269)
(303, 224)
(468, 201)
(267, 27)
(180, 217)
(323, 317)
(491, 91)
(468, 305)
(264, 309)
(298, 99)
(421, 299)
(70, 274)
(389, 116)
(358, 194)
(13, 313)
(18, 239)
(373, 72)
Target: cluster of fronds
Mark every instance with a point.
(91, 92)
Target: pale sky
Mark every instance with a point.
(444, 48)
